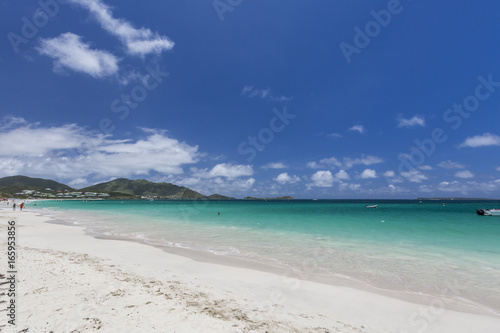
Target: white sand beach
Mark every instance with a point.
(69, 281)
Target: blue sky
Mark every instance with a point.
(386, 99)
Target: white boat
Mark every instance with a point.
(494, 212)
(488, 212)
(371, 206)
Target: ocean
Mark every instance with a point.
(437, 248)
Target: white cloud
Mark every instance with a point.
(456, 187)
(498, 169)
(342, 175)
(365, 160)
(284, 178)
(78, 182)
(275, 165)
(414, 176)
(68, 51)
(357, 128)
(425, 167)
(139, 42)
(487, 139)
(252, 92)
(312, 165)
(10, 121)
(368, 174)
(69, 152)
(396, 189)
(220, 185)
(463, 188)
(464, 174)
(389, 174)
(334, 135)
(412, 122)
(226, 170)
(346, 162)
(392, 177)
(322, 179)
(331, 161)
(33, 140)
(450, 165)
(350, 187)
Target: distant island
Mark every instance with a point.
(278, 198)
(455, 199)
(121, 188)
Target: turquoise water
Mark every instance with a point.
(429, 248)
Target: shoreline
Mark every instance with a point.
(262, 300)
(447, 295)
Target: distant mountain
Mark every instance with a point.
(119, 188)
(15, 184)
(142, 187)
(219, 197)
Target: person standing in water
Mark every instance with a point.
(21, 206)
(14, 206)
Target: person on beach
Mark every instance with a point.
(21, 206)
(14, 206)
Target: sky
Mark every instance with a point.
(324, 99)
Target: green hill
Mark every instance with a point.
(15, 184)
(219, 197)
(141, 187)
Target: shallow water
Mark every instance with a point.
(421, 248)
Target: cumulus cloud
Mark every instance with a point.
(251, 92)
(219, 185)
(357, 128)
(464, 174)
(342, 175)
(138, 42)
(486, 139)
(284, 178)
(368, 174)
(69, 52)
(225, 170)
(78, 183)
(363, 160)
(322, 179)
(391, 176)
(455, 186)
(411, 122)
(349, 187)
(425, 167)
(72, 153)
(414, 176)
(345, 163)
(32, 140)
(274, 165)
(451, 165)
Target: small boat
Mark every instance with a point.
(488, 212)
(371, 206)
